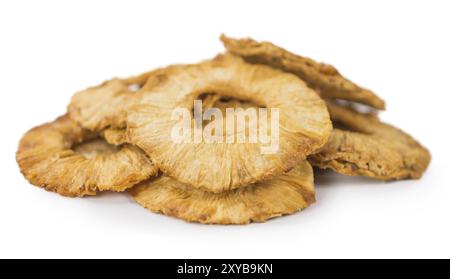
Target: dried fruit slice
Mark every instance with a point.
(99, 107)
(105, 106)
(322, 77)
(61, 156)
(284, 194)
(370, 147)
(304, 123)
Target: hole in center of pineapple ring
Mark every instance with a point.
(95, 147)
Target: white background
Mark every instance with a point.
(399, 49)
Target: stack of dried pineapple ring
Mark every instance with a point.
(360, 144)
(228, 182)
(119, 136)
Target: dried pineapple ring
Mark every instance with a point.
(62, 157)
(281, 195)
(102, 106)
(304, 124)
(370, 147)
(322, 77)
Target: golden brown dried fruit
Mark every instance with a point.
(370, 147)
(61, 156)
(99, 107)
(105, 106)
(284, 194)
(304, 124)
(322, 77)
